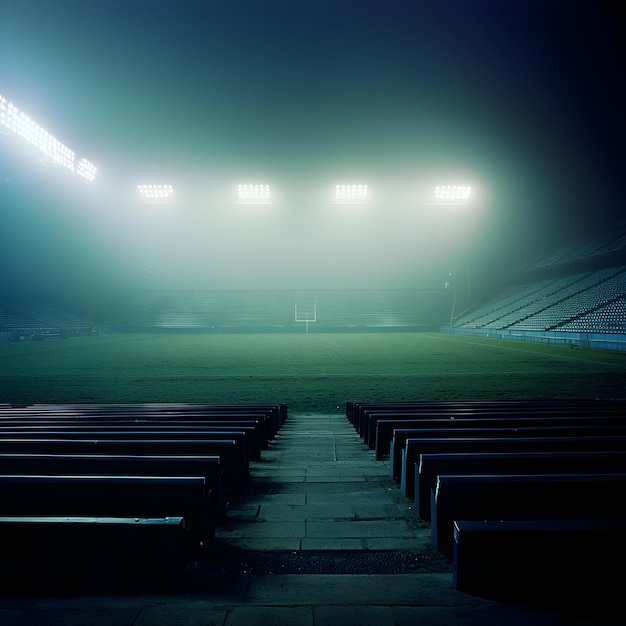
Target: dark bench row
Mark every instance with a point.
(522, 497)
(208, 467)
(562, 562)
(113, 496)
(562, 533)
(539, 488)
(431, 466)
(45, 554)
(387, 424)
(363, 415)
(498, 440)
(229, 448)
(483, 483)
(248, 430)
(105, 424)
(427, 434)
(100, 462)
(272, 417)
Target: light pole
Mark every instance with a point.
(451, 283)
(455, 195)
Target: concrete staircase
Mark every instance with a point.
(319, 488)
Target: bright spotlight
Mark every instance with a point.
(155, 193)
(253, 193)
(14, 121)
(87, 170)
(453, 194)
(21, 125)
(351, 193)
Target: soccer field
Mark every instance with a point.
(309, 372)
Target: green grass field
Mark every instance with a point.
(309, 372)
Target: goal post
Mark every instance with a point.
(307, 317)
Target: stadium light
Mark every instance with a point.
(351, 194)
(453, 194)
(254, 193)
(155, 193)
(14, 121)
(87, 170)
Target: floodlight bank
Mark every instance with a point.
(350, 192)
(453, 192)
(23, 126)
(253, 192)
(155, 192)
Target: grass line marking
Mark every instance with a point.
(448, 337)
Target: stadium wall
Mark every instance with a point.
(275, 311)
(600, 341)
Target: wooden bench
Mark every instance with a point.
(432, 465)
(522, 497)
(113, 496)
(522, 440)
(75, 554)
(572, 563)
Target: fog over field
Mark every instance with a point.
(518, 100)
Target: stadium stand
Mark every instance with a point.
(552, 303)
(575, 296)
(510, 511)
(92, 468)
(41, 322)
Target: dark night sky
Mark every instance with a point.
(522, 98)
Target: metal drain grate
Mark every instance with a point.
(345, 562)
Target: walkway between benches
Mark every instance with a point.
(318, 487)
(323, 513)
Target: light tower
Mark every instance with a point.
(16, 122)
(454, 195)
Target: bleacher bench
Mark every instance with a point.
(113, 496)
(73, 554)
(569, 563)
(431, 466)
(522, 497)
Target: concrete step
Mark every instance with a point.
(314, 489)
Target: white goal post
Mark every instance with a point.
(305, 317)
